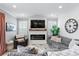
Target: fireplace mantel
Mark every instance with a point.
(38, 29)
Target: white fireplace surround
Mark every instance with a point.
(40, 32)
(37, 33)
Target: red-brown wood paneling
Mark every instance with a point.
(2, 34)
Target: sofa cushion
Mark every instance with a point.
(55, 44)
(20, 40)
(65, 40)
(62, 46)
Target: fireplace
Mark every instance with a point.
(38, 37)
(37, 31)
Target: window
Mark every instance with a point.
(50, 24)
(22, 27)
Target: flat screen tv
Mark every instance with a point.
(37, 23)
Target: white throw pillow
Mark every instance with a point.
(22, 49)
(73, 46)
(72, 43)
(76, 47)
(50, 53)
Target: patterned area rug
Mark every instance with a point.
(45, 47)
(26, 51)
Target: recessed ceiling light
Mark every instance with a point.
(51, 14)
(14, 6)
(60, 7)
(22, 14)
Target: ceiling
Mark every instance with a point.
(28, 9)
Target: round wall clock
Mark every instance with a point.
(71, 25)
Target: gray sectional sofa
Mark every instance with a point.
(60, 45)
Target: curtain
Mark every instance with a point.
(2, 34)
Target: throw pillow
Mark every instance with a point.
(22, 49)
(73, 44)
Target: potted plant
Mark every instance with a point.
(55, 30)
(55, 33)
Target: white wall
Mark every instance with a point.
(10, 35)
(62, 18)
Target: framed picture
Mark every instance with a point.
(10, 27)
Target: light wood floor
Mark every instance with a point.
(9, 48)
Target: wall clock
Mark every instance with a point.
(71, 25)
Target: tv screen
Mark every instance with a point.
(37, 23)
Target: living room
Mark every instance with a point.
(39, 29)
